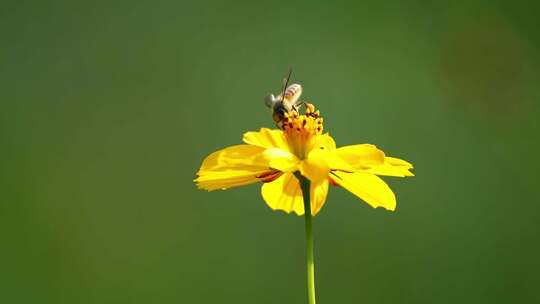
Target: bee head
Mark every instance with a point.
(270, 100)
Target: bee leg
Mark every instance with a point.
(298, 105)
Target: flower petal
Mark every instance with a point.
(239, 156)
(326, 141)
(362, 156)
(232, 167)
(391, 167)
(284, 194)
(281, 160)
(367, 158)
(222, 180)
(267, 138)
(370, 188)
(319, 163)
(318, 193)
(398, 162)
(315, 167)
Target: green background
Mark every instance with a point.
(108, 108)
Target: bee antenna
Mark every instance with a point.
(286, 83)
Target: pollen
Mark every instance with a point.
(301, 129)
(309, 123)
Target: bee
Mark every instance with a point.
(287, 102)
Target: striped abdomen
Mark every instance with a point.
(292, 93)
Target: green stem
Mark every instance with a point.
(305, 185)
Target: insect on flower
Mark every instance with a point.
(286, 103)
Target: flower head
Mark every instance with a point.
(275, 157)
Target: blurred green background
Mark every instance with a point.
(108, 108)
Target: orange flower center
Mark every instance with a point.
(301, 130)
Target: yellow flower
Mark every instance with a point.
(274, 156)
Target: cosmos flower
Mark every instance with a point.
(299, 148)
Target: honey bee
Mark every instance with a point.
(286, 103)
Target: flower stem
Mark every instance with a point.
(305, 185)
